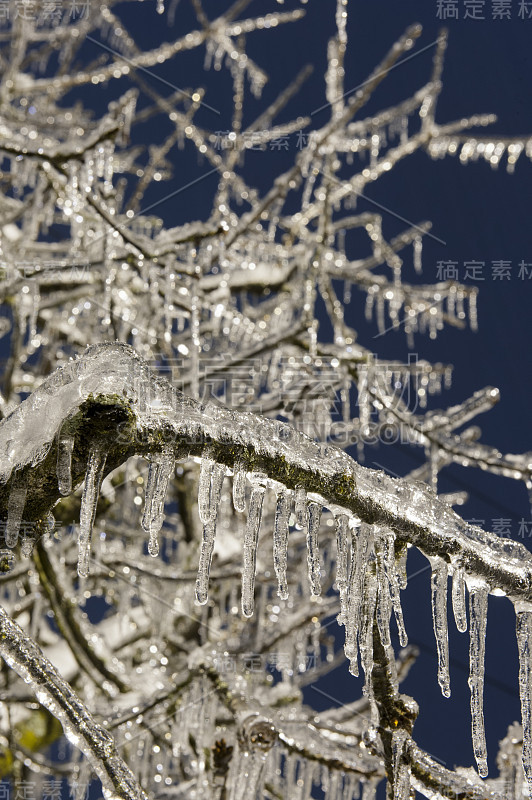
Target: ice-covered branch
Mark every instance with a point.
(25, 657)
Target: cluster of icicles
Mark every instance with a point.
(369, 577)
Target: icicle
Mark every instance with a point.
(205, 559)
(524, 647)
(280, 542)
(439, 621)
(209, 489)
(313, 553)
(15, 509)
(196, 343)
(458, 596)
(89, 500)
(247, 775)
(239, 486)
(418, 248)
(388, 552)
(402, 576)
(401, 769)
(359, 565)
(204, 489)
(251, 540)
(384, 606)
(366, 634)
(478, 605)
(342, 532)
(65, 447)
(300, 504)
(160, 471)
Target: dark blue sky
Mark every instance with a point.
(482, 215)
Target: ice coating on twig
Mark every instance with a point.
(114, 368)
(438, 586)
(55, 694)
(459, 600)
(478, 606)
(89, 501)
(65, 446)
(524, 647)
(401, 770)
(159, 473)
(251, 540)
(313, 551)
(280, 542)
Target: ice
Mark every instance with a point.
(478, 606)
(159, 474)
(246, 775)
(384, 604)
(355, 596)
(438, 584)
(313, 553)
(280, 542)
(207, 547)
(366, 634)
(524, 647)
(390, 570)
(209, 489)
(251, 539)
(418, 248)
(15, 510)
(65, 447)
(459, 600)
(205, 509)
(239, 486)
(89, 501)
(401, 770)
(56, 695)
(300, 507)
(342, 554)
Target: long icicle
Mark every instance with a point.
(459, 601)
(89, 500)
(251, 540)
(384, 603)
(280, 542)
(438, 584)
(313, 552)
(393, 580)
(523, 619)
(360, 548)
(478, 605)
(342, 541)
